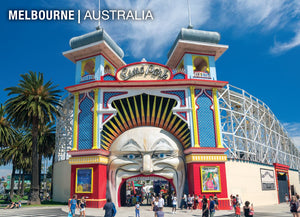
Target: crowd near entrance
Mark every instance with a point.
(141, 189)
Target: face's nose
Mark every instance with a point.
(147, 165)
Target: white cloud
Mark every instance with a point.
(284, 46)
(266, 13)
(150, 39)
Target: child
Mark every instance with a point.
(237, 210)
(137, 209)
(174, 203)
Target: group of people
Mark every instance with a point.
(13, 205)
(295, 205)
(194, 202)
(190, 202)
(236, 203)
(77, 204)
(109, 207)
(157, 205)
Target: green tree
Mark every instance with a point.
(46, 146)
(18, 154)
(33, 103)
(26, 161)
(7, 133)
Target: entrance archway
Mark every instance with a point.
(141, 188)
(148, 152)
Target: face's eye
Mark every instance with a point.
(131, 156)
(160, 155)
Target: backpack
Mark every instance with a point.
(114, 211)
(294, 207)
(234, 201)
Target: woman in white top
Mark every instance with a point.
(153, 200)
(155, 206)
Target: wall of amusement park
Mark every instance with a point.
(61, 181)
(245, 179)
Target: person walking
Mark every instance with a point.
(182, 202)
(161, 201)
(204, 207)
(294, 206)
(248, 211)
(110, 209)
(216, 201)
(196, 202)
(234, 202)
(155, 206)
(152, 201)
(286, 197)
(238, 210)
(73, 205)
(190, 202)
(160, 212)
(212, 206)
(231, 201)
(174, 203)
(298, 199)
(239, 199)
(137, 209)
(82, 206)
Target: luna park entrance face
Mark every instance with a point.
(142, 189)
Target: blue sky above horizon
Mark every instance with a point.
(263, 38)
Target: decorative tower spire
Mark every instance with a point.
(99, 26)
(190, 26)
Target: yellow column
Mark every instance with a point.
(195, 122)
(75, 123)
(217, 118)
(95, 127)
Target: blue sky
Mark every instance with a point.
(263, 38)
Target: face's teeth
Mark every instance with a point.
(145, 178)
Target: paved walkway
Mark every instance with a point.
(276, 210)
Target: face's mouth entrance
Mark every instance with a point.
(141, 189)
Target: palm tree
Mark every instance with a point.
(33, 103)
(25, 162)
(17, 154)
(7, 133)
(46, 147)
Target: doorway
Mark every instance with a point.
(141, 189)
(283, 187)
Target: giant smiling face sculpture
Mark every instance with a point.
(146, 151)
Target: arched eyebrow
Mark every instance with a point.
(131, 145)
(162, 144)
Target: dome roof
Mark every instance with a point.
(96, 36)
(197, 36)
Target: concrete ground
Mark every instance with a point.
(276, 210)
(280, 210)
